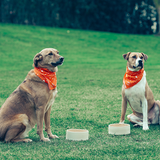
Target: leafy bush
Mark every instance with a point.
(122, 16)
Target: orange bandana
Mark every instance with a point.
(131, 78)
(47, 76)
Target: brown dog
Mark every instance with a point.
(31, 102)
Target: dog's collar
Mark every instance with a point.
(131, 78)
(46, 76)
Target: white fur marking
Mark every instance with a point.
(28, 127)
(137, 99)
(145, 114)
(136, 94)
(52, 100)
(137, 61)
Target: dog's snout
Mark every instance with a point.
(61, 59)
(140, 62)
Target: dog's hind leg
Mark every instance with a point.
(153, 116)
(135, 119)
(14, 133)
(17, 129)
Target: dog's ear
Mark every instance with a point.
(126, 56)
(38, 57)
(145, 56)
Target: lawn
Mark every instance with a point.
(89, 91)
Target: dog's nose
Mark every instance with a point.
(140, 63)
(61, 59)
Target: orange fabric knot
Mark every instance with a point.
(131, 78)
(47, 76)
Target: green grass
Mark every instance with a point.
(89, 91)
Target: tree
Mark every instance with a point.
(157, 4)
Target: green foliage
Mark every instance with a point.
(157, 2)
(120, 16)
(89, 91)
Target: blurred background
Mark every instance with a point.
(120, 16)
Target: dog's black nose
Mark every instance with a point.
(140, 63)
(61, 59)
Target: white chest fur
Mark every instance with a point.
(136, 94)
(52, 99)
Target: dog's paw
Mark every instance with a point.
(136, 125)
(45, 140)
(122, 122)
(52, 136)
(27, 140)
(145, 128)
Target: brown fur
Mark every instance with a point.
(30, 102)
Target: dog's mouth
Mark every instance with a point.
(140, 65)
(56, 64)
(60, 62)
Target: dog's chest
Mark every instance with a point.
(136, 94)
(52, 99)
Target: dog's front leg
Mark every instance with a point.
(145, 114)
(47, 124)
(123, 110)
(40, 117)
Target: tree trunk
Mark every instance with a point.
(158, 20)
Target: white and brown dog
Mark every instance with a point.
(136, 92)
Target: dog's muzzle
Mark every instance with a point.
(140, 64)
(61, 59)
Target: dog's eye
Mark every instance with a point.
(50, 53)
(134, 57)
(141, 57)
(57, 52)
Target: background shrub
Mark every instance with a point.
(121, 16)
